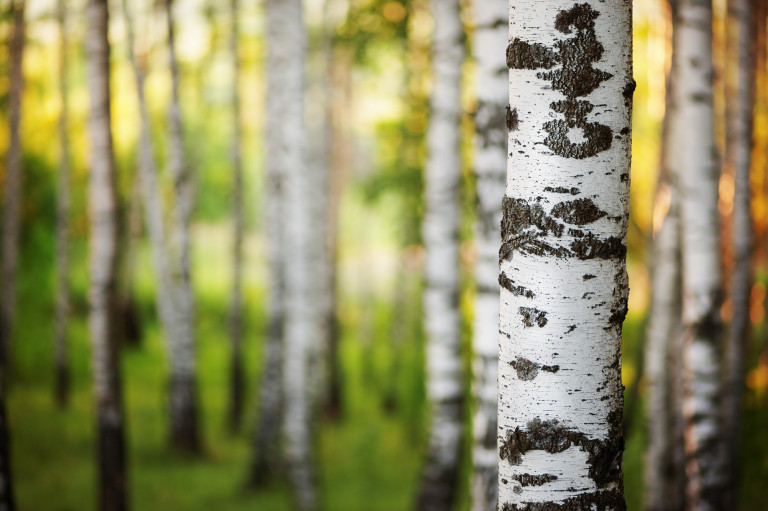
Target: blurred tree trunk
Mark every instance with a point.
(236, 301)
(439, 478)
(102, 206)
(563, 256)
(61, 368)
(130, 315)
(168, 289)
(185, 434)
(12, 184)
(663, 491)
(286, 62)
(490, 156)
(738, 162)
(701, 260)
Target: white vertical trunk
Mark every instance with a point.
(236, 300)
(490, 155)
(701, 260)
(286, 61)
(12, 184)
(563, 255)
(183, 387)
(102, 211)
(738, 154)
(441, 241)
(61, 366)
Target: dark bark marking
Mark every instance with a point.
(550, 369)
(526, 369)
(512, 119)
(589, 276)
(532, 315)
(562, 189)
(629, 92)
(523, 55)
(534, 479)
(590, 247)
(510, 286)
(578, 212)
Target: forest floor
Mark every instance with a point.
(368, 461)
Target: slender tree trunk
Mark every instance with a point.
(61, 368)
(563, 256)
(701, 261)
(662, 493)
(738, 161)
(168, 289)
(102, 204)
(286, 61)
(185, 434)
(12, 184)
(130, 316)
(490, 154)
(236, 301)
(441, 240)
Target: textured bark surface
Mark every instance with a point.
(490, 155)
(237, 382)
(701, 261)
(662, 489)
(738, 162)
(185, 434)
(286, 61)
(102, 210)
(61, 366)
(563, 256)
(440, 232)
(12, 184)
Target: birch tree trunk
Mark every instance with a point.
(236, 300)
(102, 205)
(662, 491)
(12, 184)
(441, 241)
(738, 160)
(563, 255)
(185, 433)
(490, 154)
(61, 366)
(286, 61)
(701, 261)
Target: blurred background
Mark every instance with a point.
(370, 452)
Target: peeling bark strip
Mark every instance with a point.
(489, 42)
(563, 256)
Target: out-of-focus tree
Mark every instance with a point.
(701, 274)
(563, 256)
(442, 320)
(490, 156)
(102, 210)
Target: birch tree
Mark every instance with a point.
(61, 379)
(663, 490)
(701, 261)
(490, 154)
(286, 61)
(185, 433)
(563, 255)
(738, 161)
(440, 232)
(102, 209)
(236, 300)
(12, 184)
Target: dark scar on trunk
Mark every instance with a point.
(532, 315)
(510, 286)
(578, 212)
(562, 189)
(534, 479)
(512, 120)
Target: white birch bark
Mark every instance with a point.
(701, 260)
(61, 366)
(286, 61)
(738, 160)
(236, 300)
(12, 184)
(440, 232)
(183, 386)
(168, 290)
(102, 210)
(563, 255)
(490, 155)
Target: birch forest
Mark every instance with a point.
(383, 255)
